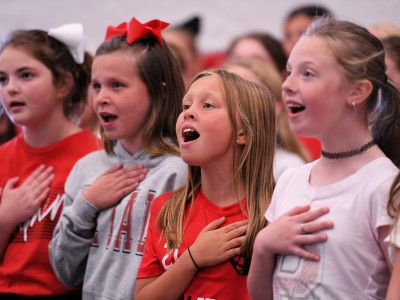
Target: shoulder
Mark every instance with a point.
(167, 164)
(9, 145)
(92, 157)
(86, 139)
(380, 171)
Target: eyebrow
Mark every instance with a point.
(18, 71)
(23, 69)
(303, 63)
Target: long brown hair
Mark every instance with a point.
(159, 70)
(253, 105)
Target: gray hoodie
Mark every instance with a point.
(103, 249)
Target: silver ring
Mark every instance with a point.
(303, 231)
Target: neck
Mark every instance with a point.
(43, 136)
(348, 153)
(220, 188)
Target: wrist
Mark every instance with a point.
(262, 248)
(7, 222)
(193, 260)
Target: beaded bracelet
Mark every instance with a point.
(191, 257)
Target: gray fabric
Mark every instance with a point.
(81, 249)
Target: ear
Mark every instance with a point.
(360, 92)
(65, 86)
(241, 138)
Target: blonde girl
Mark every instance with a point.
(200, 239)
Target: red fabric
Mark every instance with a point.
(134, 30)
(313, 146)
(217, 282)
(26, 268)
(213, 60)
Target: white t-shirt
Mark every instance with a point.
(352, 265)
(285, 160)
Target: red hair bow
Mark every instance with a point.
(134, 30)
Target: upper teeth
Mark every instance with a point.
(290, 105)
(187, 130)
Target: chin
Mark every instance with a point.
(190, 160)
(112, 136)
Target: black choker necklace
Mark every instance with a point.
(346, 154)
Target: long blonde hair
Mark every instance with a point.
(253, 105)
(268, 76)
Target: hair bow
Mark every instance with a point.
(72, 36)
(134, 30)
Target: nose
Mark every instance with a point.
(100, 98)
(288, 84)
(11, 87)
(189, 113)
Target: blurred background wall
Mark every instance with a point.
(222, 20)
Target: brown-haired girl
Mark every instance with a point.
(137, 89)
(43, 84)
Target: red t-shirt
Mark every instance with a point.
(25, 268)
(217, 282)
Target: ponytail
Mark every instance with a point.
(386, 126)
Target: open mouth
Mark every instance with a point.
(295, 108)
(106, 117)
(16, 104)
(190, 135)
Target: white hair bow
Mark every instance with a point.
(72, 36)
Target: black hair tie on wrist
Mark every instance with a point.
(191, 257)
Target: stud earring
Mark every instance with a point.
(354, 105)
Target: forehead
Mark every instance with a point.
(312, 48)
(16, 55)
(115, 62)
(12, 58)
(206, 85)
